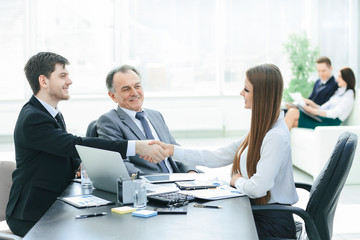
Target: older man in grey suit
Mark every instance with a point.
(131, 122)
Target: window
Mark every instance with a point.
(180, 47)
(12, 48)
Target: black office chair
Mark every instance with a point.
(92, 129)
(325, 192)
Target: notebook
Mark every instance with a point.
(316, 118)
(104, 167)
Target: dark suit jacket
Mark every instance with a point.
(46, 159)
(321, 94)
(116, 124)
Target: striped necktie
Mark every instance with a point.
(149, 135)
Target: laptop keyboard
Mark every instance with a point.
(175, 199)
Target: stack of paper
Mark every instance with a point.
(220, 192)
(298, 98)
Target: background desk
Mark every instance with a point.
(234, 220)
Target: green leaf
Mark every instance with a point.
(302, 59)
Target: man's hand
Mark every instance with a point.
(234, 178)
(169, 148)
(152, 153)
(78, 172)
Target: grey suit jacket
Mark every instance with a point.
(116, 125)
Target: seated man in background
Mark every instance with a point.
(331, 113)
(129, 121)
(326, 85)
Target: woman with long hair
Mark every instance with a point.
(262, 166)
(332, 113)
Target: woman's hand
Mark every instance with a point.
(310, 103)
(234, 178)
(168, 148)
(310, 110)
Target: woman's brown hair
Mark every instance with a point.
(267, 85)
(348, 75)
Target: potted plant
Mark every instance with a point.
(302, 58)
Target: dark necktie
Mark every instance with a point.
(145, 124)
(59, 118)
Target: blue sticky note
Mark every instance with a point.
(144, 213)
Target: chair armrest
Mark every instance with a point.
(310, 226)
(305, 186)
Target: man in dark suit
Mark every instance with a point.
(326, 85)
(46, 158)
(125, 89)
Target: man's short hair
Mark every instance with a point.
(325, 60)
(110, 76)
(42, 63)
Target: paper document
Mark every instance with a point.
(220, 192)
(298, 98)
(85, 201)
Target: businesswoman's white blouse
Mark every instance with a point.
(340, 104)
(274, 169)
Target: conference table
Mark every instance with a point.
(233, 220)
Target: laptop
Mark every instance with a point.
(104, 167)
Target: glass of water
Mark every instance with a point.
(140, 198)
(85, 180)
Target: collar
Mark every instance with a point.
(132, 113)
(341, 91)
(324, 82)
(53, 111)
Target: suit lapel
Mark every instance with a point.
(36, 103)
(159, 131)
(156, 125)
(130, 123)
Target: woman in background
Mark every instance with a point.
(331, 113)
(262, 165)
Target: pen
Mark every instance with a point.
(206, 206)
(90, 215)
(200, 187)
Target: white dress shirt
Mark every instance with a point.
(340, 104)
(132, 115)
(53, 111)
(274, 169)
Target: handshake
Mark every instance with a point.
(154, 151)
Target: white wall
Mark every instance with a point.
(217, 114)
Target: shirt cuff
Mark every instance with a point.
(239, 184)
(131, 148)
(178, 153)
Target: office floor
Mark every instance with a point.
(346, 222)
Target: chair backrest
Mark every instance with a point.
(92, 129)
(325, 191)
(6, 169)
